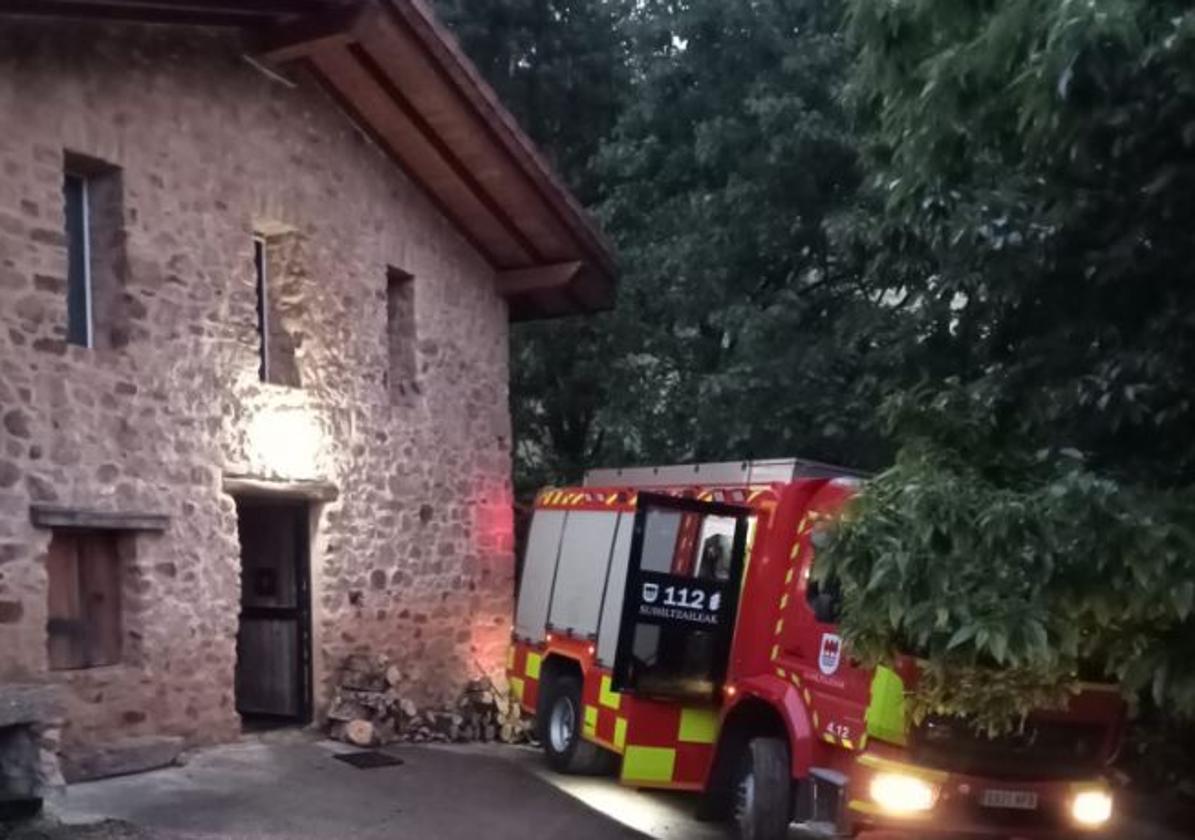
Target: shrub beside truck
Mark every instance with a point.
(667, 627)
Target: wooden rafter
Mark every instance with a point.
(303, 38)
(206, 12)
(521, 281)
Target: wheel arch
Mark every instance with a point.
(768, 707)
(555, 666)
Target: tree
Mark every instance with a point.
(728, 183)
(727, 172)
(559, 65)
(563, 68)
(1035, 158)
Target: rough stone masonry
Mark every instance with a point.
(412, 558)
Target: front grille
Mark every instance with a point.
(1041, 750)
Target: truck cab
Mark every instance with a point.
(667, 627)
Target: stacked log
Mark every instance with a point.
(371, 707)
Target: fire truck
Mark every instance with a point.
(667, 627)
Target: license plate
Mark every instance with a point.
(1021, 800)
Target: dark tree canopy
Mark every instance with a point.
(1038, 164)
(954, 237)
(726, 170)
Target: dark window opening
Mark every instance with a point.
(93, 205)
(262, 288)
(401, 335)
(825, 599)
(823, 595)
(84, 623)
(78, 289)
(278, 264)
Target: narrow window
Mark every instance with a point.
(97, 311)
(78, 248)
(281, 275)
(400, 333)
(263, 308)
(84, 601)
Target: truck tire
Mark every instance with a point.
(762, 793)
(717, 805)
(560, 730)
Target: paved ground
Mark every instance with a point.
(258, 790)
(291, 787)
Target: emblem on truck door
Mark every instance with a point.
(650, 592)
(831, 652)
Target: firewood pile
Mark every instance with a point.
(371, 708)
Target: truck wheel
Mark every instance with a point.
(717, 805)
(560, 731)
(762, 806)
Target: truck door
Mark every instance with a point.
(681, 598)
(810, 645)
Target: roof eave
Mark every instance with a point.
(403, 79)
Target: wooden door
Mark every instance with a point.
(273, 676)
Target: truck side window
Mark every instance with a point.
(715, 557)
(825, 599)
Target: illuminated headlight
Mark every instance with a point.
(1092, 808)
(901, 794)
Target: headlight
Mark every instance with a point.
(901, 794)
(1092, 808)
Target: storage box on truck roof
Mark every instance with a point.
(725, 474)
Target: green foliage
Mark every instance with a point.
(1035, 159)
(960, 231)
(729, 184)
(1018, 581)
(563, 68)
(1035, 163)
(723, 184)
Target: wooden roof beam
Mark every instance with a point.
(523, 280)
(203, 12)
(293, 41)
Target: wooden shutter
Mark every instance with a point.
(99, 581)
(65, 620)
(84, 625)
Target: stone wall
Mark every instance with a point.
(414, 558)
(30, 720)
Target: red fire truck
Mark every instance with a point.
(667, 626)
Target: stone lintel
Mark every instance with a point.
(246, 485)
(57, 516)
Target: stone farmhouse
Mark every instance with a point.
(258, 262)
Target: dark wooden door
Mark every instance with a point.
(273, 676)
